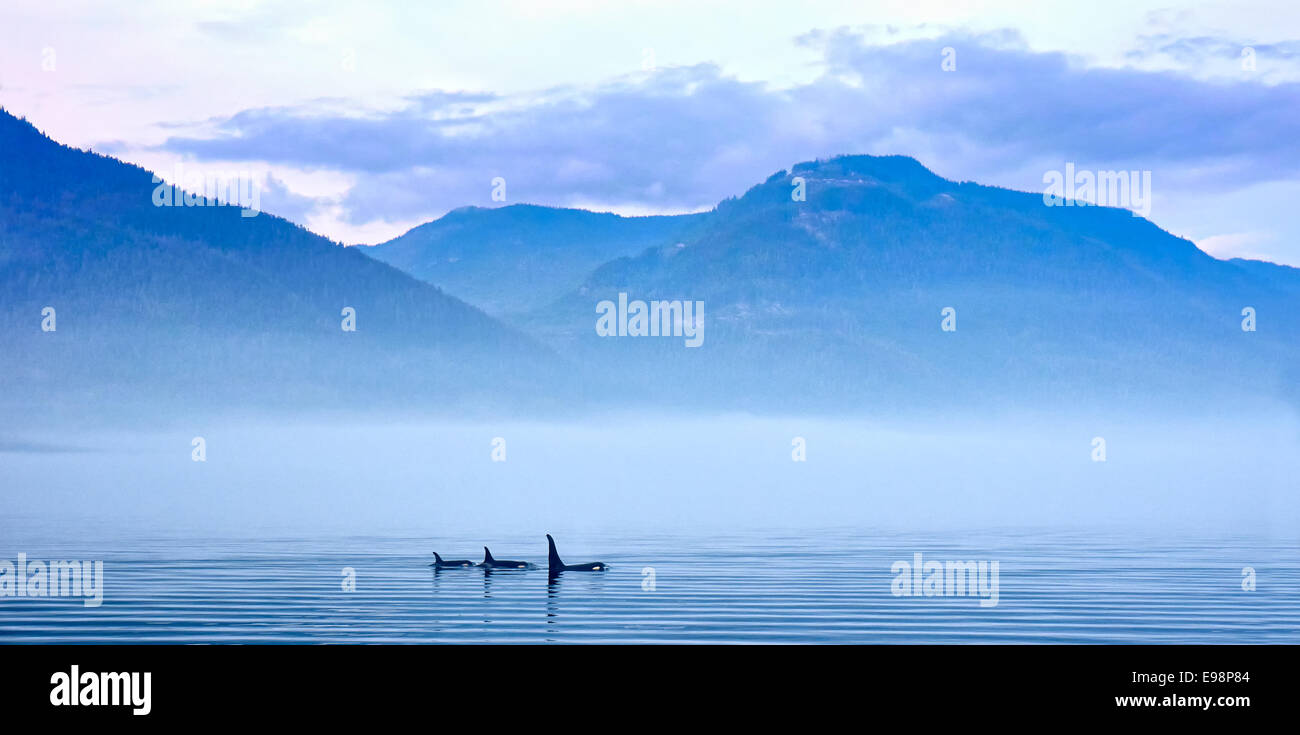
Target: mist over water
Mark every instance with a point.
(742, 544)
(722, 473)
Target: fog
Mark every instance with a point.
(616, 474)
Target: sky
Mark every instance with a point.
(361, 120)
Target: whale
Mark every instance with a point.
(490, 563)
(556, 565)
(442, 563)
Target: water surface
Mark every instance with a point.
(798, 587)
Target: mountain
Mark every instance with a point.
(837, 303)
(520, 257)
(831, 304)
(197, 308)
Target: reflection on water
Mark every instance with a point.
(799, 588)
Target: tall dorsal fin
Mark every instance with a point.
(554, 560)
(437, 558)
(487, 555)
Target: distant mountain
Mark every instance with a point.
(201, 308)
(832, 304)
(837, 302)
(517, 258)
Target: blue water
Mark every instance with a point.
(804, 587)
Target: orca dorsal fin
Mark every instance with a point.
(437, 558)
(554, 559)
(487, 555)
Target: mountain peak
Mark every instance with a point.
(843, 181)
(892, 169)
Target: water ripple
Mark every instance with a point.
(741, 589)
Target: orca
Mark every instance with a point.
(556, 565)
(490, 563)
(442, 563)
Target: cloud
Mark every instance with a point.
(1199, 48)
(685, 137)
(278, 199)
(1249, 245)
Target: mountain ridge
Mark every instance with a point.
(844, 292)
(834, 302)
(517, 257)
(214, 310)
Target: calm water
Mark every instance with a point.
(798, 588)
